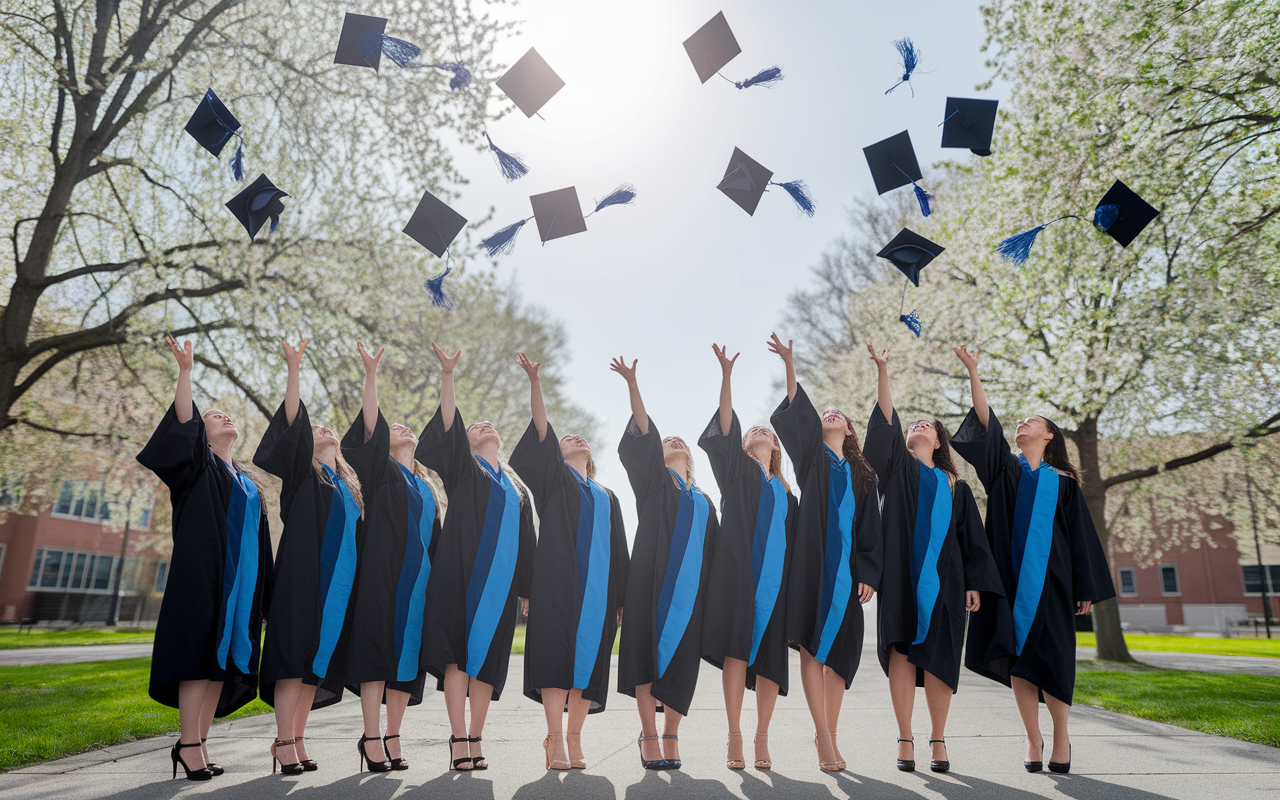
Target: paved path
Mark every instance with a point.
(1119, 757)
(72, 654)
(1199, 662)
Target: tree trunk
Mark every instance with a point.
(1106, 615)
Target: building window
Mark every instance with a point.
(71, 570)
(1169, 579)
(1128, 582)
(1253, 578)
(162, 574)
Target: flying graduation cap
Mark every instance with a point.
(713, 46)
(893, 164)
(1121, 214)
(910, 252)
(363, 42)
(530, 83)
(969, 123)
(745, 182)
(435, 225)
(558, 214)
(212, 125)
(259, 202)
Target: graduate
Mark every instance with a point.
(835, 561)
(315, 566)
(579, 578)
(937, 566)
(384, 661)
(1050, 560)
(204, 661)
(484, 565)
(744, 617)
(661, 646)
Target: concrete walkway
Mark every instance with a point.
(1199, 662)
(72, 654)
(1117, 757)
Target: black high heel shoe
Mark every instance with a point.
(935, 764)
(908, 764)
(374, 766)
(214, 768)
(673, 763)
(657, 763)
(1060, 767)
(457, 763)
(201, 774)
(477, 762)
(307, 764)
(285, 769)
(396, 763)
(1036, 766)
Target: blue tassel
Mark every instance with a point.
(1105, 216)
(461, 75)
(504, 241)
(910, 60)
(622, 196)
(766, 77)
(923, 197)
(1017, 248)
(275, 222)
(436, 286)
(512, 167)
(800, 193)
(912, 321)
(398, 50)
(237, 162)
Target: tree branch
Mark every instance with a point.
(226, 372)
(1268, 427)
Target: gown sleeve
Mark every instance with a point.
(1090, 576)
(177, 452)
(539, 464)
(641, 456)
(724, 450)
(868, 556)
(884, 446)
(620, 559)
(448, 453)
(266, 567)
(980, 572)
(524, 558)
(285, 450)
(984, 448)
(799, 428)
(368, 457)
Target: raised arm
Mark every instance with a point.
(370, 406)
(784, 352)
(536, 405)
(182, 395)
(883, 398)
(619, 365)
(726, 392)
(294, 359)
(970, 361)
(448, 403)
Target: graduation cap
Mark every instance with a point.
(745, 182)
(910, 252)
(558, 214)
(530, 83)
(259, 202)
(363, 43)
(1121, 214)
(969, 123)
(435, 225)
(713, 46)
(910, 56)
(212, 125)
(893, 164)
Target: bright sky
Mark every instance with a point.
(684, 266)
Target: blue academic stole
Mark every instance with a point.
(411, 589)
(239, 571)
(683, 574)
(837, 578)
(768, 554)
(933, 519)
(1032, 541)
(337, 569)
(595, 527)
(494, 568)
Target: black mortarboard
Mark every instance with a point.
(558, 214)
(893, 164)
(910, 252)
(969, 123)
(212, 124)
(713, 46)
(745, 182)
(434, 225)
(1133, 213)
(530, 83)
(357, 27)
(259, 202)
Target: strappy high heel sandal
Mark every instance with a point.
(575, 763)
(285, 769)
(674, 763)
(307, 764)
(374, 766)
(553, 763)
(200, 774)
(396, 763)
(840, 765)
(214, 768)
(1060, 767)
(763, 764)
(908, 764)
(657, 763)
(825, 766)
(735, 763)
(1036, 766)
(461, 764)
(477, 762)
(945, 764)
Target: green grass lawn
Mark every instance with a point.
(10, 639)
(1240, 706)
(52, 711)
(1269, 648)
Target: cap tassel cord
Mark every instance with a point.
(237, 160)
(922, 196)
(910, 60)
(624, 195)
(1017, 248)
(436, 286)
(512, 166)
(504, 241)
(799, 192)
(765, 77)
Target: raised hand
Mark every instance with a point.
(447, 362)
(619, 365)
(370, 362)
(726, 363)
(293, 357)
(291, 396)
(784, 351)
(970, 360)
(537, 406)
(183, 354)
(530, 367)
(882, 360)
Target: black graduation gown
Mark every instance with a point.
(294, 636)
(1076, 570)
(460, 563)
(193, 612)
(963, 563)
(729, 615)
(374, 630)
(551, 659)
(659, 606)
(799, 428)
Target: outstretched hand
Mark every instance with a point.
(776, 346)
(970, 360)
(447, 362)
(726, 363)
(619, 365)
(882, 360)
(530, 367)
(370, 362)
(183, 354)
(293, 357)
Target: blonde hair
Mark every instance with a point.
(591, 462)
(346, 473)
(775, 456)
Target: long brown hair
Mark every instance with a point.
(346, 473)
(942, 456)
(248, 470)
(859, 468)
(1055, 452)
(775, 457)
